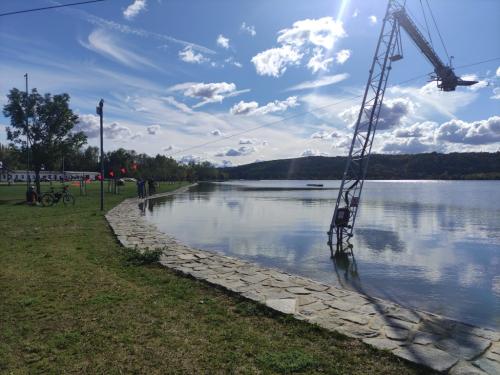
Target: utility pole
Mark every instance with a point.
(27, 137)
(99, 111)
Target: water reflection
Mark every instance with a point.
(346, 269)
(429, 245)
(380, 239)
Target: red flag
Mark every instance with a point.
(111, 174)
(123, 170)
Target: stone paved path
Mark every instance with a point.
(437, 342)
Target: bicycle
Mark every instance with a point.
(52, 197)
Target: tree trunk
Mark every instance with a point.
(37, 180)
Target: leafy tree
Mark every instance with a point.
(83, 159)
(47, 122)
(10, 157)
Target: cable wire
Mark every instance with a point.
(311, 111)
(477, 63)
(439, 33)
(314, 110)
(426, 23)
(49, 7)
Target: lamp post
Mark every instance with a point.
(99, 110)
(27, 137)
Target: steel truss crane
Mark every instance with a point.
(388, 51)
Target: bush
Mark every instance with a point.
(141, 258)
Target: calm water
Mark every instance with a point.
(431, 245)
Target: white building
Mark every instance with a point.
(23, 175)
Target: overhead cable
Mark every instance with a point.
(49, 7)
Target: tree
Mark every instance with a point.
(9, 157)
(47, 122)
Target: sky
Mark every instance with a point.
(234, 82)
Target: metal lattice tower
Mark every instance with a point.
(347, 203)
(388, 50)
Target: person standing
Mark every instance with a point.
(151, 186)
(140, 188)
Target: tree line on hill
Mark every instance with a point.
(48, 123)
(453, 166)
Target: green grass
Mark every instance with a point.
(73, 301)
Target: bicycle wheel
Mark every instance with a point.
(68, 199)
(47, 200)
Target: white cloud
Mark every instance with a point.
(452, 136)
(89, 124)
(392, 113)
(216, 133)
(355, 13)
(476, 132)
(496, 93)
(103, 43)
(137, 135)
(223, 41)
(245, 141)
(417, 130)
(324, 135)
(134, 9)
(241, 151)
(243, 108)
(252, 108)
(232, 61)
(249, 29)
(323, 81)
(190, 56)
(498, 72)
(431, 100)
(125, 29)
(312, 152)
(319, 62)
(278, 106)
(405, 146)
(306, 37)
(342, 56)
(188, 159)
(209, 92)
(372, 19)
(322, 32)
(153, 129)
(273, 62)
(181, 106)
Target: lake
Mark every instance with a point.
(431, 245)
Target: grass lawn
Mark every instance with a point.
(72, 302)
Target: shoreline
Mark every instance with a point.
(425, 338)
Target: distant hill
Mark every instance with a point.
(454, 166)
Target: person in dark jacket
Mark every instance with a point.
(151, 187)
(141, 188)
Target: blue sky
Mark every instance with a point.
(178, 74)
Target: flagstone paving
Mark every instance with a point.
(421, 337)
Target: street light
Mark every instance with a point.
(99, 111)
(27, 137)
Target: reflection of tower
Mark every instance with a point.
(346, 269)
